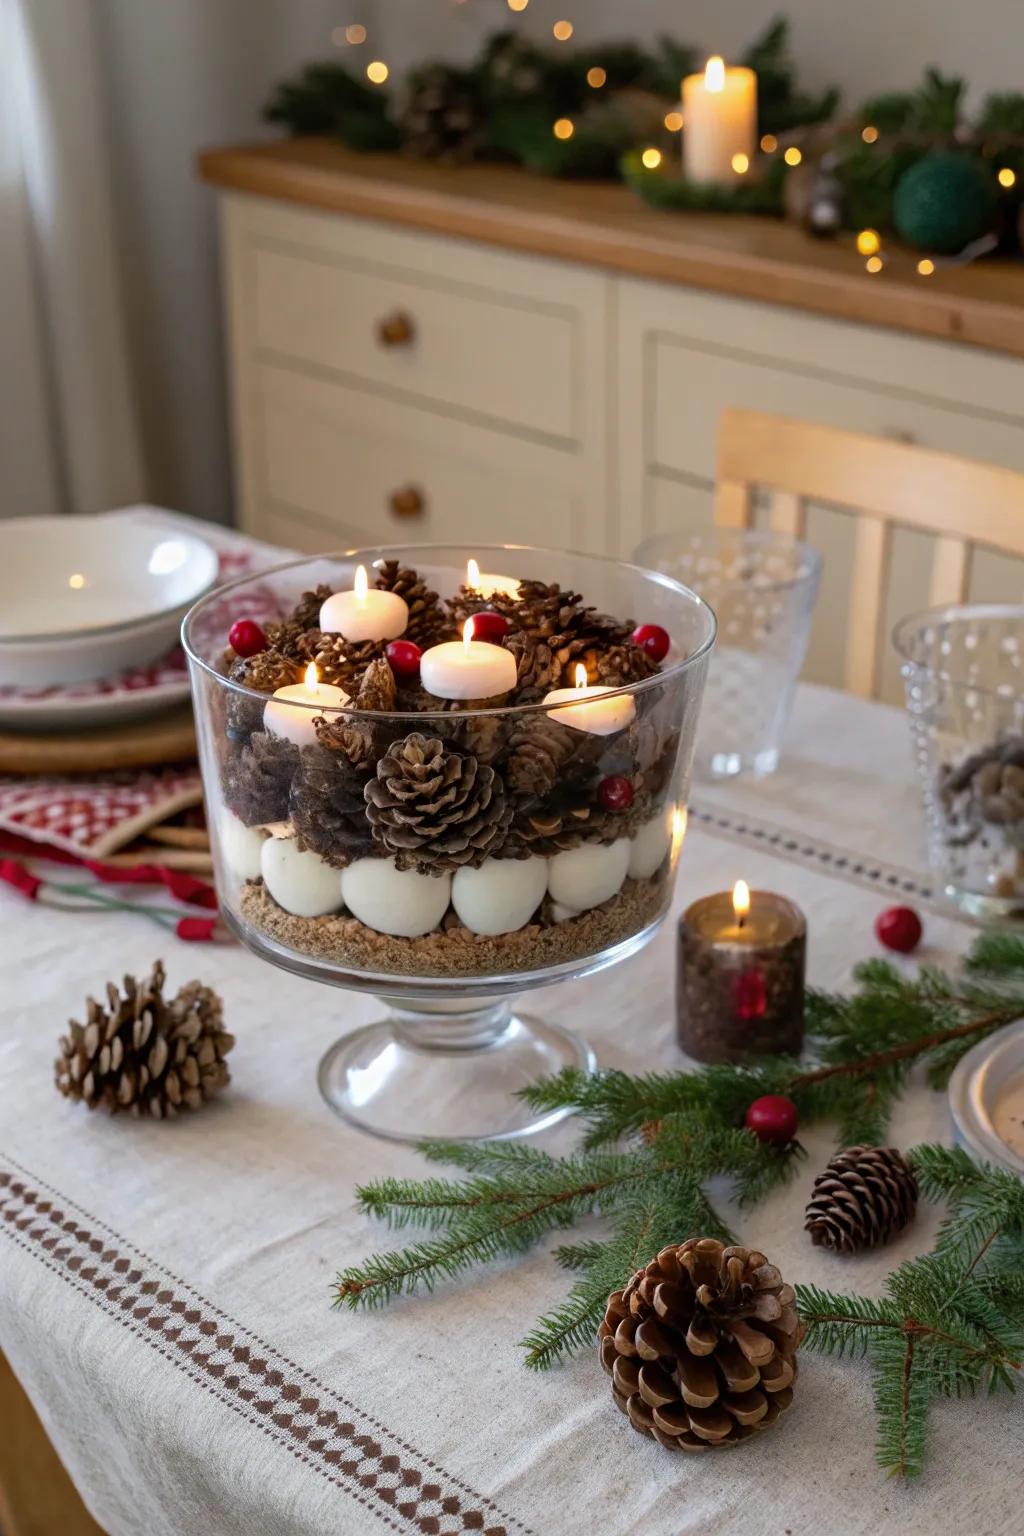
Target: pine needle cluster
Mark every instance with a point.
(651, 1144)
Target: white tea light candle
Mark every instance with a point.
(589, 710)
(281, 718)
(468, 668)
(363, 614)
(401, 902)
(501, 896)
(299, 880)
(489, 585)
(719, 122)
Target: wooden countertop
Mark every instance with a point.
(605, 225)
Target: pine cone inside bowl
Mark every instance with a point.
(436, 809)
(701, 1345)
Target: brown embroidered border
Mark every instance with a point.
(222, 1357)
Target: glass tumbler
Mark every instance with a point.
(763, 587)
(962, 673)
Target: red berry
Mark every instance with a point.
(898, 928)
(772, 1118)
(489, 627)
(404, 658)
(615, 792)
(652, 639)
(246, 638)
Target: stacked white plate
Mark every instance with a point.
(90, 609)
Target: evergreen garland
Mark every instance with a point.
(948, 1323)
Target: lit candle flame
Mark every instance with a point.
(312, 678)
(741, 900)
(472, 575)
(581, 675)
(361, 585)
(714, 74)
(467, 633)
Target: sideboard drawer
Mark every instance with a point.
(356, 469)
(493, 356)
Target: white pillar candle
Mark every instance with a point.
(487, 584)
(648, 849)
(363, 614)
(240, 846)
(501, 896)
(282, 718)
(468, 668)
(589, 710)
(401, 902)
(583, 877)
(719, 122)
(299, 881)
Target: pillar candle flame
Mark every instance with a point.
(714, 73)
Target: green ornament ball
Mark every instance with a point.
(943, 203)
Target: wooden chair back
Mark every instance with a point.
(962, 502)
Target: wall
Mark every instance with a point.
(182, 74)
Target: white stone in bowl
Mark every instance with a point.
(241, 847)
(649, 847)
(401, 902)
(501, 896)
(586, 876)
(299, 881)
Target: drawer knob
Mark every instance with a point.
(407, 502)
(396, 330)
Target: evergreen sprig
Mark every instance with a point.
(651, 1143)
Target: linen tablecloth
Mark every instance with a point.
(164, 1293)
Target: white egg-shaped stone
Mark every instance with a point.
(299, 881)
(401, 902)
(649, 847)
(501, 896)
(240, 847)
(560, 914)
(583, 877)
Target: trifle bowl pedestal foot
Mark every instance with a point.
(448, 1072)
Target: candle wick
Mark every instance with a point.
(741, 919)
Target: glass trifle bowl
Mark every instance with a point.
(447, 788)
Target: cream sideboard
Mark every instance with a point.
(391, 383)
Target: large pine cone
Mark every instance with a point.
(558, 826)
(144, 1053)
(434, 808)
(865, 1196)
(534, 665)
(428, 622)
(306, 613)
(327, 807)
(542, 753)
(701, 1345)
(257, 781)
(442, 118)
(618, 666)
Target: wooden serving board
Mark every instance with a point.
(169, 738)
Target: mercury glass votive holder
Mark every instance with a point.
(763, 587)
(740, 979)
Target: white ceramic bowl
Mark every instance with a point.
(974, 1087)
(83, 597)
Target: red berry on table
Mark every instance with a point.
(489, 627)
(898, 928)
(403, 657)
(615, 792)
(246, 638)
(772, 1118)
(652, 639)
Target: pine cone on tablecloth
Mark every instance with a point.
(428, 623)
(864, 1197)
(327, 807)
(145, 1053)
(442, 119)
(257, 780)
(534, 666)
(701, 1345)
(434, 808)
(342, 663)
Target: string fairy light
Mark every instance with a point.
(377, 71)
(596, 77)
(769, 143)
(518, 5)
(1006, 177)
(869, 134)
(868, 242)
(874, 264)
(926, 266)
(564, 128)
(673, 121)
(355, 33)
(792, 156)
(741, 164)
(562, 30)
(651, 158)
